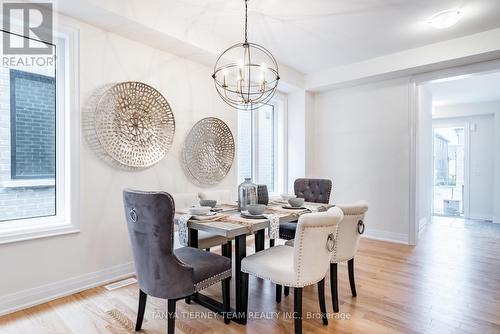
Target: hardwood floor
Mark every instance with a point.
(450, 283)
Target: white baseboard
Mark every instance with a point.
(481, 217)
(30, 297)
(399, 238)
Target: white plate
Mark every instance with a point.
(246, 214)
(199, 210)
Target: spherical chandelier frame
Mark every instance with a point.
(244, 92)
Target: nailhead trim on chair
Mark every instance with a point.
(286, 236)
(212, 280)
(282, 283)
(300, 249)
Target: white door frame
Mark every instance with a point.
(414, 130)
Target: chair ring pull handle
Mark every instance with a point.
(330, 242)
(361, 227)
(133, 215)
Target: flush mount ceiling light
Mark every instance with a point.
(445, 19)
(246, 74)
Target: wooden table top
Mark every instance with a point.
(230, 224)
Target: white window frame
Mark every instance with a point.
(67, 217)
(279, 101)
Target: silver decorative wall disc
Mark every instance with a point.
(134, 124)
(208, 151)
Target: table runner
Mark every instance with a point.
(229, 213)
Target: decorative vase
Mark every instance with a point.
(247, 194)
(262, 194)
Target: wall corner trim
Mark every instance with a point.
(34, 296)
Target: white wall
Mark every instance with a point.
(101, 250)
(424, 157)
(496, 200)
(361, 142)
(296, 136)
(484, 156)
(300, 134)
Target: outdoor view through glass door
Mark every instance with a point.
(449, 171)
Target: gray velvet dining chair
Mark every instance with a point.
(311, 190)
(161, 271)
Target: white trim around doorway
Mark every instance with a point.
(459, 71)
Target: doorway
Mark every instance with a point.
(449, 162)
(455, 167)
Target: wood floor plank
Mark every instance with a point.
(450, 283)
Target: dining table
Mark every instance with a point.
(230, 223)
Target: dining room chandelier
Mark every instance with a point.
(246, 74)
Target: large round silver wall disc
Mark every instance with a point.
(208, 151)
(134, 124)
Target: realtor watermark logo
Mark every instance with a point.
(36, 20)
(27, 34)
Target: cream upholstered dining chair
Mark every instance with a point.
(346, 245)
(304, 264)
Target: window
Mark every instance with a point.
(38, 141)
(261, 145)
(33, 125)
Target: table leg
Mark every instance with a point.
(259, 240)
(227, 249)
(240, 253)
(193, 238)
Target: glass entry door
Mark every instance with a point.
(449, 171)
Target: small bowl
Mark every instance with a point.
(296, 202)
(286, 197)
(208, 202)
(256, 209)
(199, 210)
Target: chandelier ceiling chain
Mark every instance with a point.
(246, 74)
(246, 21)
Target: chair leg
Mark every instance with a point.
(350, 269)
(244, 296)
(333, 285)
(278, 293)
(287, 290)
(297, 310)
(171, 316)
(226, 299)
(321, 298)
(140, 312)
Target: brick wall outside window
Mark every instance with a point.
(34, 139)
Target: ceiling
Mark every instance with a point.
(467, 89)
(310, 35)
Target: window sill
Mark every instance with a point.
(28, 183)
(10, 233)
